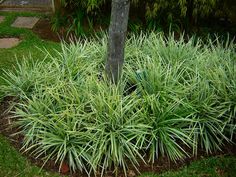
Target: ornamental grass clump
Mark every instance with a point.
(174, 98)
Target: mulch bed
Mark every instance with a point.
(44, 31)
(162, 165)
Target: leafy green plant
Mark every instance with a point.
(22, 81)
(179, 16)
(58, 21)
(77, 24)
(174, 98)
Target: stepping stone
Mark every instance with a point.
(2, 18)
(6, 43)
(25, 22)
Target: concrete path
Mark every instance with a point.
(36, 3)
(27, 5)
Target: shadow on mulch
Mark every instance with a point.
(161, 165)
(44, 30)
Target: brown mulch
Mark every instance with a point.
(44, 30)
(161, 165)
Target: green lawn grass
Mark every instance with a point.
(219, 166)
(30, 45)
(12, 163)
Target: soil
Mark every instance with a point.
(161, 165)
(44, 30)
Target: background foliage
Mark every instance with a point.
(182, 15)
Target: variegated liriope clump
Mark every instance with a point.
(174, 97)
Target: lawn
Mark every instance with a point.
(219, 166)
(30, 44)
(13, 164)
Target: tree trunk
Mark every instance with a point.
(116, 41)
(189, 16)
(56, 5)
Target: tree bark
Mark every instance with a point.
(116, 41)
(190, 20)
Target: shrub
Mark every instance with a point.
(86, 16)
(174, 97)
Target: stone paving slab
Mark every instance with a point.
(6, 43)
(2, 18)
(25, 22)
